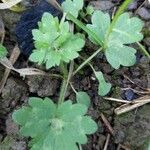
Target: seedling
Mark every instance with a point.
(63, 126)
(54, 127)
(54, 42)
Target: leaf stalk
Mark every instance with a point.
(87, 60)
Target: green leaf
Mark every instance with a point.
(89, 125)
(126, 30)
(21, 116)
(103, 87)
(83, 98)
(3, 51)
(53, 126)
(54, 42)
(72, 6)
(118, 54)
(100, 25)
(89, 10)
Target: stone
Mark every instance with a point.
(132, 6)
(43, 86)
(19, 145)
(14, 90)
(11, 128)
(102, 5)
(144, 13)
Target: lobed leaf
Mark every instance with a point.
(54, 127)
(125, 31)
(100, 25)
(54, 42)
(83, 98)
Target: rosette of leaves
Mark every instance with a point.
(3, 51)
(54, 42)
(54, 127)
(125, 30)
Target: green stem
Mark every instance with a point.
(87, 61)
(62, 92)
(83, 27)
(73, 88)
(64, 82)
(143, 50)
(67, 77)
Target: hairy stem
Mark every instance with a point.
(64, 82)
(62, 91)
(67, 77)
(87, 61)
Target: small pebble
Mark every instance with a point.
(144, 13)
(132, 6)
(129, 95)
(102, 5)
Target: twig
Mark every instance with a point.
(116, 100)
(140, 7)
(107, 142)
(125, 76)
(14, 56)
(2, 30)
(107, 124)
(136, 91)
(136, 103)
(8, 5)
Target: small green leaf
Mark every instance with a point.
(103, 87)
(72, 6)
(118, 54)
(100, 25)
(89, 10)
(83, 98)
(89, 125)
(3, 51)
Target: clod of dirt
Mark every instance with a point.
(11, 128)
(133, 129)
(6, 144)
(19, 145)
(102, 5)
(10, 19)
(144, 13)
(132, 6)
(43, 86)
(1, 72)
(9, 143)
(147, 41)
(14, 90)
